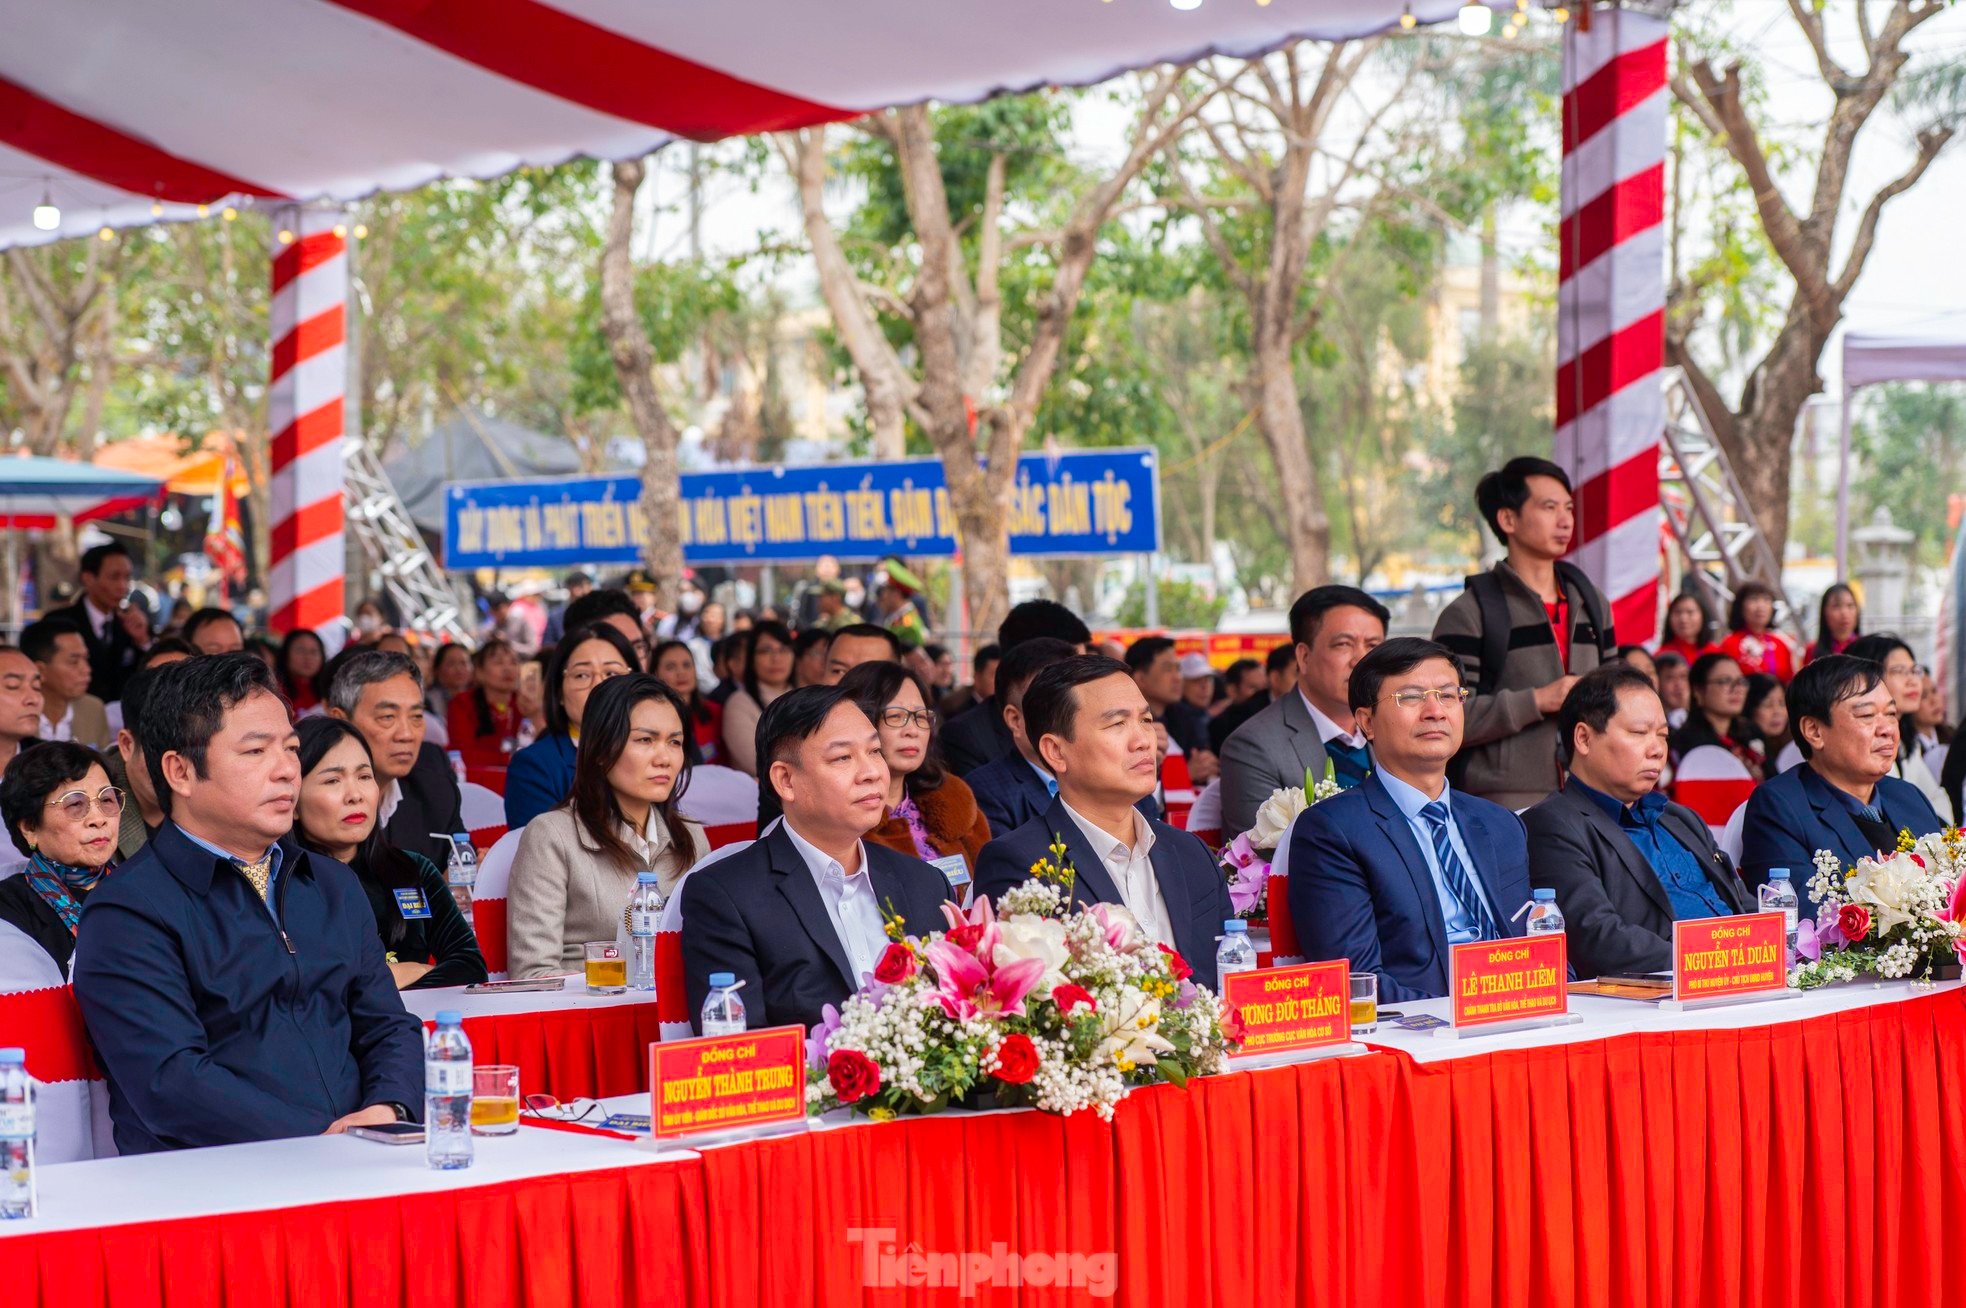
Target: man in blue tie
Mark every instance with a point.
(1393, 872)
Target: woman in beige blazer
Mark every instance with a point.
(577, 864)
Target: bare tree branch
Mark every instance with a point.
(1930, 142)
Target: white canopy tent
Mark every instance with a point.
(123, 112)
(1931, 350)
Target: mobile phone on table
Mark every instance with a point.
(391, 1133)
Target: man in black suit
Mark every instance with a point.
(980, 736)
(799, 916)
(1095, 733)
(1279, 679)
(115, 631)
(381, 693)
(1624, 862)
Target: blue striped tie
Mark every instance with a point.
(1457, 876)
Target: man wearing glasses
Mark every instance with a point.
(1391, 873)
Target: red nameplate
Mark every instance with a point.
(1509, 980)
(1718, 956)
(726, 1083)
(1288, 1008)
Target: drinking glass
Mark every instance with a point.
(1365, 1003)
(607, 970)
(494, 1099)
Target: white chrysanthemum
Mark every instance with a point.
(1273, 819)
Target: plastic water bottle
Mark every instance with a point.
(456, 756)
(642, 915)
(1545, 918)
(1235, 953)
(1777, 895)
(723, 1011)
(16, 1135)
(447, 1093)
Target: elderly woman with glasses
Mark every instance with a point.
(931, 813)
(63, 814)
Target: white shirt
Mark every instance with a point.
(850, 904)
(62, 730)
(1329, 730)
(97, 619)
(392, 799)
(1132, 871)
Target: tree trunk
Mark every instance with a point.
(634, 367)
(1282, 424)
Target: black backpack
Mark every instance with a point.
(1496, 625)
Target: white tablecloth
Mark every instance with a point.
(426, 1004)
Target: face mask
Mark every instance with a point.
(367, 622)
(690, 602)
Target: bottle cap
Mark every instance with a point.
(647, 879)
(718, 980)
(449, 1017)
(1543, 896)
(13, 1058)
(1778, 874)
(1234, 925)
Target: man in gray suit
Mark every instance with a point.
(1625, 863)
(1333, 627)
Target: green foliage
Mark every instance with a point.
(1183, 605)
(1911, 458)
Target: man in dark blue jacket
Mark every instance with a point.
(1095, 733)
(1842, 796)
(233, 984)
(1392, 873)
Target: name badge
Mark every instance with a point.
(411, 904)
(954, 867)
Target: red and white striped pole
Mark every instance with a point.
(309, 330)
(1611, 298)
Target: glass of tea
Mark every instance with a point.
(1365, 1003)
(494, 1099)
(607, 970)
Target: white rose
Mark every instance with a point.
(1274, 818)
(1041, 938)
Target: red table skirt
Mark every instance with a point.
(571, 1053)
(1811, 1162)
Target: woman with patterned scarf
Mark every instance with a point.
(63, 814)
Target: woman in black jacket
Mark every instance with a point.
(429, 941)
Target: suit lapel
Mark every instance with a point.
(1304, 737)
(1173, 892)
(1635, 865)
(1399, 834)
(1719, 874)
(1093, 884)
(1832, 813)
(802, 893)
(1034, 790)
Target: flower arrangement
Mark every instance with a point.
(1892, 916)
(1246, 859)
(1041, 1007)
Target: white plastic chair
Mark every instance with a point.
(72, 1117)
(719, 796)
(488, 900)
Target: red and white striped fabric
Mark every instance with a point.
(309, 331)
(1611, 296)
(134, 111)
(1714, 784)
(38, 1014)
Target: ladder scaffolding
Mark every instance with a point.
(381, 525)
(1706, 509)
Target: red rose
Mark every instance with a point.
(1017, 1059)
(1853, 920)
(897, 964)
(1177, 966)
(853, 1074)
(1068, 996)
(966, 936)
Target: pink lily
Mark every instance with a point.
(1117, 930)
(967, 987)
(976, 930)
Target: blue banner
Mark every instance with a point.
(1076, 502)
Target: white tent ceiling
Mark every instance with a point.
(1931, 350)
(127, 111)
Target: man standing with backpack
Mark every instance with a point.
(1525, 630)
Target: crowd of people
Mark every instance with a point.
(238, 849)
